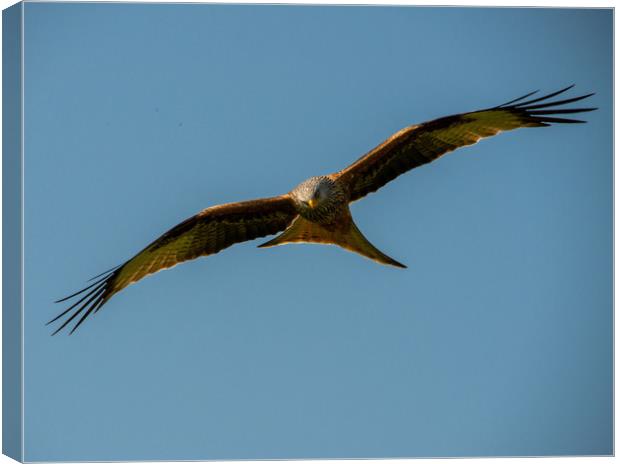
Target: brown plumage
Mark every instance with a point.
(317, 210)
(206, 233)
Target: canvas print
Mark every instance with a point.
(440, 180)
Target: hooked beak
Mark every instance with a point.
(312, 203)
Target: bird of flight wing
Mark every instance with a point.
(206, 233)
(419, 144)
(219, 227)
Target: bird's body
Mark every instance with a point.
(322, 204)
(317, 210)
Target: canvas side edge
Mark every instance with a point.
(12, 391)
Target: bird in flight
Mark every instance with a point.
(317, 210)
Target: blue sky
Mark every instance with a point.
(495, 341)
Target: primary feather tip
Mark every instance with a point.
(543, 112)
(96, 295)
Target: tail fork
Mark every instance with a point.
(355, 241)
(346, 235)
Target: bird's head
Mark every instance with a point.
(317, 195)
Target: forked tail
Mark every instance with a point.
(345, 235)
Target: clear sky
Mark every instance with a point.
(497, 340)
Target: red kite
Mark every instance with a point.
(317, 210)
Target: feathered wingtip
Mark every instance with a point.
(544, 113)
(96, 296)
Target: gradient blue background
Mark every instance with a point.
(496, 341)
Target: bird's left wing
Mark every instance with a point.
(206, 233)
(420, 144)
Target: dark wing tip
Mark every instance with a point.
(546, 97)
(109, 271)
(97, 294)
(517, 99)
(542, 111)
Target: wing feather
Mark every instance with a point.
(417, 145)
(206, 233)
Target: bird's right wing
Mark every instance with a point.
(206, 233)
(420, 144)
